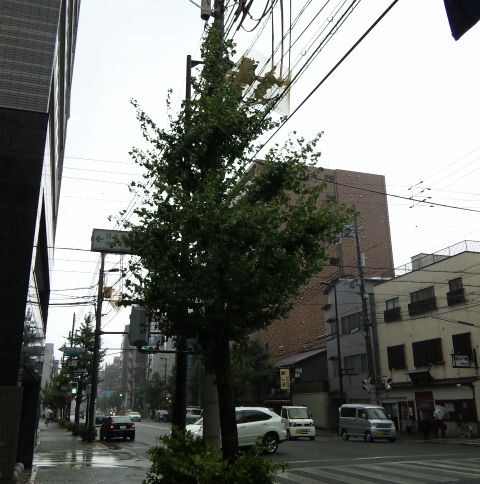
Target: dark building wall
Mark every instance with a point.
(22, 142)
(304, 328)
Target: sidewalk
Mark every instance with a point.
(60, 457)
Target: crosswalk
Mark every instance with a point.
(398, 472)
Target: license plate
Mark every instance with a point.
(123, 426)
(380, 432)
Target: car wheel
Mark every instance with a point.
(345, 436)
(270, 443)
(312, 438)
(132, 438)
(368, 437)
(101, 436)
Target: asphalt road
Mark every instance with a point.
(328, 459)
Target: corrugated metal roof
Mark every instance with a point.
(297, 357)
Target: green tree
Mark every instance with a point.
(223, 249)
(154, 392)
(253, 372)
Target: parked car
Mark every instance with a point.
(299, 421)
(135, 416)
(253, 423)
(193, 414)
(118, 426)
(99, 419)
(161, 416)
(367, 421)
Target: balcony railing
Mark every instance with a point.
(393, 314)
(456, 297)
(421, 307)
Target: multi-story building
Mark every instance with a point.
(133, 374)
(37, 44)
(428, 335)
(347, 318)
(47, 367)
(304, 329)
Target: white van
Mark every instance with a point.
(367, 421)
(299, 422)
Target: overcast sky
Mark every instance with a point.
(404, 105)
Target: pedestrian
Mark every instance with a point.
(439, 424)
(424, 423)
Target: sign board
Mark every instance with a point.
(73, 350)
(111, 241)
(284, 378)
(460, 361)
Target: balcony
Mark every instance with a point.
(456, 297)
(391, 315)
(421, 307)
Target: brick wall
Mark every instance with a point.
(305, 325)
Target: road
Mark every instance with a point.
(330, 460)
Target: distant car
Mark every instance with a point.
(135, 416)
(118, 426)
(81, 414)
(253, 423)
(193, 414)
(161, 416)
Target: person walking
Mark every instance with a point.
(425, 416)
(439, 424)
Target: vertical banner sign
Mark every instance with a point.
(284, 378)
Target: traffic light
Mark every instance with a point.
(366, 384)
(387, 383)
(138, 330)
(73, 388)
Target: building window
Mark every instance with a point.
(428, 352)
(456, 293)
(422, 301)
(355, 364)
(396, 357)
(455, 284)
(392, 303)
(352, 322)
(392, 313)
(462, 344)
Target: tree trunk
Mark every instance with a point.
(228, 424)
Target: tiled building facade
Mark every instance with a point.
(304, 329)
(37, 41)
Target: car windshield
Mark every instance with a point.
(298, 413)
(121, 419)
(376, 413)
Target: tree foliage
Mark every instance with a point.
(225, 245)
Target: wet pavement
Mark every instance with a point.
(61, 457)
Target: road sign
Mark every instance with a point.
(73, 350)
(112, 241)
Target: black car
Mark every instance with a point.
(117, 427)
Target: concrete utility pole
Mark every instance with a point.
(339, 354)
(366, 320)
(96, 351)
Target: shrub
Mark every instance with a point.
(186, 459)
(88, 435)
(62, 422)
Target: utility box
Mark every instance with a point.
(138, 331)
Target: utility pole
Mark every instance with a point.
(366, 321)
(339, 355)
(96, 351)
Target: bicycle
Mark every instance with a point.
(463, 429)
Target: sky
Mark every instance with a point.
(404, 104)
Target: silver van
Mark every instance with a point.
(367, 421)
